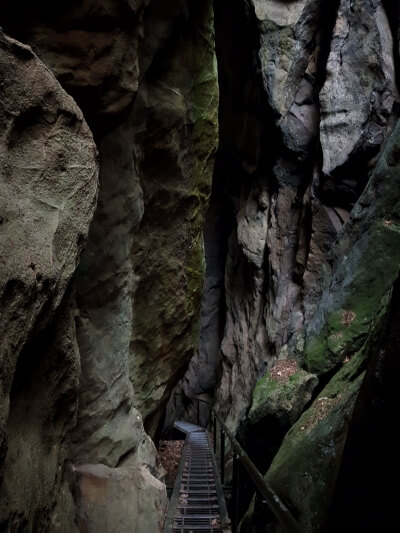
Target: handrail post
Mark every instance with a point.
(235, 492)
(215, 434)
(222, 455)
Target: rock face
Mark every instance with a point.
(371, 432)
(366, 264)
(287, 204)
(355, 106)
(304, 470)
(140, 278)
(307, 156)
(301, 245)
(130, 321)
(48, 194)
(179, 94)
(91, 47)
(118, 499)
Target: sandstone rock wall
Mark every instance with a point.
(301, 240)
(366, 272)
(312, 254)
(144, 74)
(309, 100)
(48, 195)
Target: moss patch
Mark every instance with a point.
(280, 398)
(305, 469)
(346, 329)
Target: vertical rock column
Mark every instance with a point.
(175, 138)
(326, 90)
(48, 189)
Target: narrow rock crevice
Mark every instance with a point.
(259, 277)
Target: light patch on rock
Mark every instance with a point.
(359, 85)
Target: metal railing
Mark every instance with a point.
(278, 508)
(276, 505)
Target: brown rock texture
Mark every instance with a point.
(300, 246)
(90, 46)
(144, 74)
(118, 499)
(48, 194)
(321, 107)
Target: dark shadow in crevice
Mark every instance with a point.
(392, 8)
(365, 498)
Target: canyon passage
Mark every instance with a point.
(199, 257)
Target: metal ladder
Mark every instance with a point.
(197, 503)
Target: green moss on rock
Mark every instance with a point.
(263, 388)
(367, 264)
(282, 400)
(305, 469)
(346, 329)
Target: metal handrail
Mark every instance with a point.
(279, 509)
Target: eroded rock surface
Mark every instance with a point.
(356, 105)
(48, 194)
(118, 499)
(308, 140)
(331, 260)
(288, 204)
(179, 95)
(140, 280)
(365, 266)
(301, 244)
(151, 100)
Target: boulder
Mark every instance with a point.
(48, 192)
(118, 499)
(282, 398)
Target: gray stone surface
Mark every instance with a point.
(298, 255)
(357, 96)
(108, 424)
(175, 121)
(326, 75)
(48, 190)
(138, 286)
(118, 499)
(282, 401)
